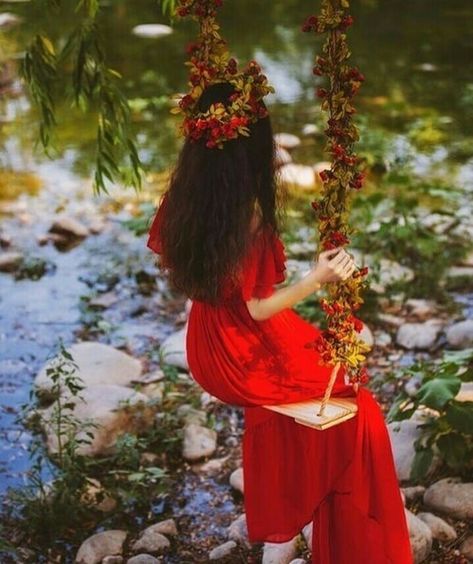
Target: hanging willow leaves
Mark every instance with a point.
(94, 85)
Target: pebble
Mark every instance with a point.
(222, 551)
(198, 441)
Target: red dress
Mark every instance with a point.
(343, 479)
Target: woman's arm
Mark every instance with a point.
(332, 266)
(282, 298)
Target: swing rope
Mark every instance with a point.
(340, 343)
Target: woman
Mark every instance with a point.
(217, 230)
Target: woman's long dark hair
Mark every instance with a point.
(211, 200)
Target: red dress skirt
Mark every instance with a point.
(342, 479)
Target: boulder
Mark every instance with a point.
(460, 335)
(222, 551)
(199, 441)
(101, 406)
(452, 497)
(418, 335)
(98, 364)
(440, 529)
(173, 349)
(421, 537)
(100, 545)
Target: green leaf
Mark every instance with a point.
(452, 448)
(437, 392)
(460, 416)
(421, 464)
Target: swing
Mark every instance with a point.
(339, 344)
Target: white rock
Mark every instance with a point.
(382, 339)
(100, 545)
(457, 271)
(421, 308)
(236, 480)
(279, 552)
(366, 335)
(310, 129)
(466, 392)
(113, 560)
(298, 561)
(104, 301)
(301, 176)
(151, 30)
(189, 414)
(98, 365)
(460, 335)
(441, 530)
(222, 551)
(307, 532)
(281, 157)
(390, 319)
(418, 335)
(421, 537)
(452, 497)
(212, 466)
(287, 140)
(143, 559)
(413, 493)
(173, 349)
(69, 226)
(466, 547)
(99, 405)
(8, 19)
(151, 540)
(198, 441)
(237, 531)
(403, 434)
(391, 271)
(10, 261)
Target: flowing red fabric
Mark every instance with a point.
(342, 479)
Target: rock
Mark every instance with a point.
(100, 405)
(391, 271)
(298, 561)
(236, 479)
(421, 308)
(403, 434)
(366, 335)
(212, 466)
(279, 552)
(413, 493)
(452, 497)
(418, 335)
(207, 399)
(151, 540)
(466, 392)
(460, 271)
(8, 19)
(390, 319)
(440, 529)
(382, 339)
(281, 157)
(10, 261)
(460, 335)
(198, 441)
(238, 531)
(113, 560)
(69, 226)
(166, 527)
(466, 547)
(222, 551)
(143, 559)
(98, 365)
(104, 301)
(189, 414)
(173, 349)
(100, 545)
(421, 537)
(149, 459)
(150, 377)
(301, 176)
(287, 140)
(151, 30)
(307, 532)
(310, 129)
(96, 496)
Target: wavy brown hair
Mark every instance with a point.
(212, 200)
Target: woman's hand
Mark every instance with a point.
(333, 265)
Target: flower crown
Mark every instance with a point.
(210, 63)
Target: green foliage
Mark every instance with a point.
(448, 429)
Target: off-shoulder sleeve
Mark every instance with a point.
(263, 267)
(154, 233)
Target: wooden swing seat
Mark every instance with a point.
(337, 410)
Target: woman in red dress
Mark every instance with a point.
(216, 231)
